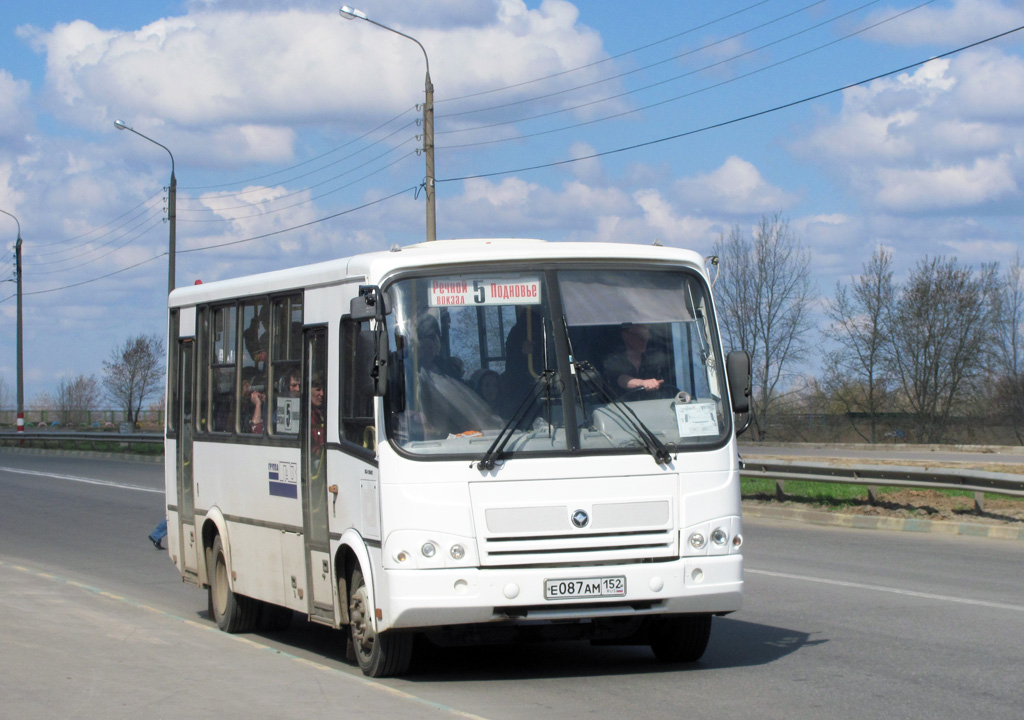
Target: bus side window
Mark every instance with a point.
(222, 369)
(356, 392)
(285, 374)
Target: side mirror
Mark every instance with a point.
(737, 370)
(368, 305)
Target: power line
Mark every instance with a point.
(314, 171)
(158, 216)
(298, 227)
(220, 245)
(733, 121)
(297, 192)
(123, 245)
(639, 69)
(309, 200)
(604, 60)
(304, 162)
(692, 72)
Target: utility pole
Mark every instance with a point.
(350, 13)
(20, 365)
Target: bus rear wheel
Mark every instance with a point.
(680, 638)
(383, 654)
(233, 613)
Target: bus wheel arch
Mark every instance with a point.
(213, 526)
(232, 612)
(378, 654)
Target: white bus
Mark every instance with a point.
(469, 439)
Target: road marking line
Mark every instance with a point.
(365, 681)
(895, 591)
(76, 478)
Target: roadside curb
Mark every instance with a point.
(864, 522)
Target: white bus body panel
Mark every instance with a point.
(517, 533)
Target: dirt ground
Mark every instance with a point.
(913, 503)
(922, 504)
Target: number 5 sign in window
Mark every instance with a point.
(459, 292)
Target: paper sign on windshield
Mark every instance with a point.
(696, 419)
(457, 292)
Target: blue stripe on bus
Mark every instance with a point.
(281, 489)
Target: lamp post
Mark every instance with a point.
(20, 364)
(172, 201)
(350, 13)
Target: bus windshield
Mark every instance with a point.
(554, 360)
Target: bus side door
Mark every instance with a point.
(185, 433)
(319, 575)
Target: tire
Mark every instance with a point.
(273, 618)
(233, 613)
(385, 654)
(680, 638)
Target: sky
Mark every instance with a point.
(294, 136)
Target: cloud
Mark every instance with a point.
(735, 188)
(946, 187)
(961, 22)
(300, 65)
(14, 113)
(943, 138)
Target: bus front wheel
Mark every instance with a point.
(680, 638)
(383, 654)
(233, 613)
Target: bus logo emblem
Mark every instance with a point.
(580, 518)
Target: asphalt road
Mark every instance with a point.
(837, 624)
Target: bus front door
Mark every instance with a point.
(186, 490)
(319, 575)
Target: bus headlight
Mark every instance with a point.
(457, 552)
(428, 550)
(697, 541)
(719, 537)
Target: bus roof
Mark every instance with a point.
(376, 266)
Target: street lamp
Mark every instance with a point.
(350, 13)
(20, 364)
(172, 201)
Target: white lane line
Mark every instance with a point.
(894, 591)
(76, 478)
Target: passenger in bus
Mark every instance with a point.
(440, 404)
(293, 384)
(253, 400)
(635, 367)
(487, 384)
(317, 421)
(255, 336)
(523, 358)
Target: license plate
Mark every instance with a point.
(595, 587)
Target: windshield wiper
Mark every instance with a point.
(542, 382)
(587, 374)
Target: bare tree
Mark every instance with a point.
(941, 331)
(1009, 350)
(6, 402)
(855, 371)
(764, 296)
(75, 397)
(134, 372)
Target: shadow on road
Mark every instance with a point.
(734, 644)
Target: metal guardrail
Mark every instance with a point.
(45, 437)
(977, 481)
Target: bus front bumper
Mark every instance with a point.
(438, 597)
